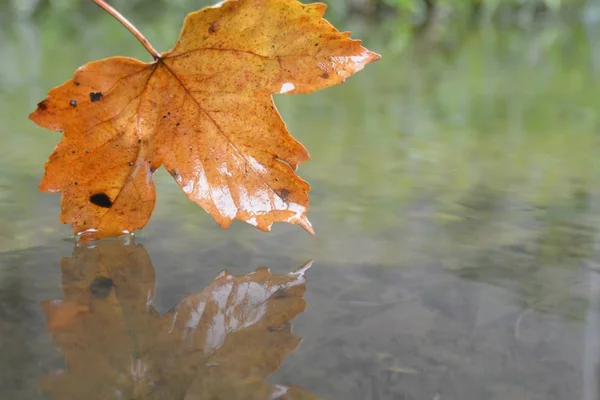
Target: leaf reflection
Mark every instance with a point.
(219, 343)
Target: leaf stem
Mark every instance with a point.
(138, 35)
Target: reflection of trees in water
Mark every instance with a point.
(540, 258)
(16, 206)
(478, 213)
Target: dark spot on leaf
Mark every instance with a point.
(72, 151)
(276, 179)
(213, 27)
(280, 294)
(283, 193)
(139, 140)
(101, 200)
(96, 96)
(73, 103)
(42, 105)
(76, 183)
(152, 169)
(324, 75)
(100, 287)
(131, 163)
(87, 152)
(178, 124)
(174, 174)
(164, 116)
(76, 83)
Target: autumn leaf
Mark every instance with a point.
(203, 110)
(219, 343)
(62, 313)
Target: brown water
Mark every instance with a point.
(455, 199)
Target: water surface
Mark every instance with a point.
(455, 199)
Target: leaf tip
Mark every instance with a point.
(318, 8)
(305, 223)
(224, 273)
(41, 107)
(373, 56)
(303, 268)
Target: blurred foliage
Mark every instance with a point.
(414, 12)
(442, 22)
(439, 21)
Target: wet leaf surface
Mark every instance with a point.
(219, 343)
(204, 111)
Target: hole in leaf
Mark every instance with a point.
(96, 96)
(100, 287)
(101, 200)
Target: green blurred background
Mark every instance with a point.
(473, 143)
(416, 13)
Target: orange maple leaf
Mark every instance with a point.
(203, 110)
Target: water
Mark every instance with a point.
(455, 199)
